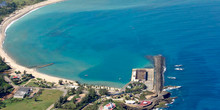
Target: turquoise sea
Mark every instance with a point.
(100, 41)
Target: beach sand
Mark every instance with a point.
(3, 27)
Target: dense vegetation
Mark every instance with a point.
(135, 87)
(103, 92)
(3, 65)
(12, 5)
(94, 106)
(90, 97)
(5, 88)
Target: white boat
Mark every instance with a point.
(180, 65)
(179, 69)
(171, 77)
(171, 88)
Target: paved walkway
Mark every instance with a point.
(124, 88)
(27, 82)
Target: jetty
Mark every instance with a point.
(41, 66)
(159, 68)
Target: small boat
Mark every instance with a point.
(167, 88)
(86, 75)
(180, 65)
(171, 77)
(179, 69)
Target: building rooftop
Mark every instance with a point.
(109, 106)
(141, 74)
(22, 91)
(145, 103)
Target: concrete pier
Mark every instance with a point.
(159, 69)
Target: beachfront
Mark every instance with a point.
(6, 23)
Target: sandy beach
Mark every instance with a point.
(6, 23)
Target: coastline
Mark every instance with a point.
(6, 23)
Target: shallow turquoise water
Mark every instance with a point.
(105, 39)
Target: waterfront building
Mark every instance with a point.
(143, 75)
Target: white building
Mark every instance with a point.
(72, 86)
(129, 101)
(22, 92)
(109, 106)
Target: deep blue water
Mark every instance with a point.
(105, 39)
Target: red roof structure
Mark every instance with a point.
(109, 106)
(145, 103)
(15, 77)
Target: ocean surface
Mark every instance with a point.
(100, 41)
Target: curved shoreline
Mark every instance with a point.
(6, 24)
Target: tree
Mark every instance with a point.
(3, 65)
(103, 92)
(79, 91)
(56, 105)
(72, 91)
(52, 84)
(35, 99)
(61, 82)
(25, 72)
(92, 93)
(5, 89)
(142, 96)
(62, 99)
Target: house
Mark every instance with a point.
(72, 86)
(129, 101)
(15, 77)
(22, 92)
(129, 87)
(109, 106)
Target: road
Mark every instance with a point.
(10, 82)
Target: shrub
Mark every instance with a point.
(103, 92)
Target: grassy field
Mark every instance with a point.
(40, 83)
(32, 84)
(47, 98)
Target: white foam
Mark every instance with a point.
(172, 101)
